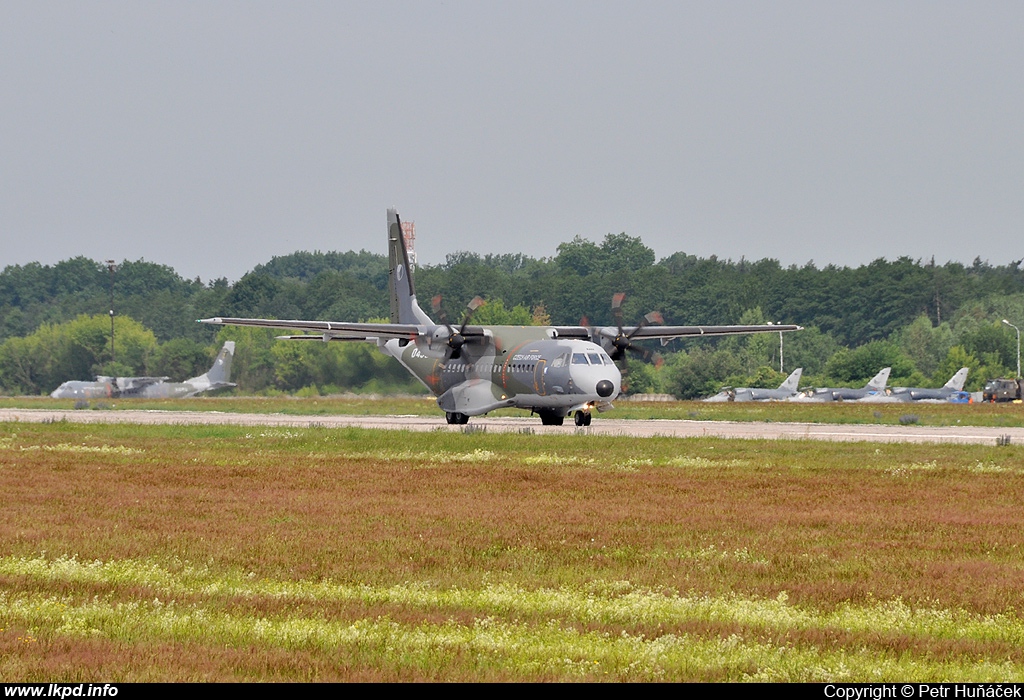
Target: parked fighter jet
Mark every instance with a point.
(948, 390)
(549, 370)
(152, 387)
(785, 390)
(874, 387)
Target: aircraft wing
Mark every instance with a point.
(666, 332)
(329, 330)
(323, 337)
(139, 382)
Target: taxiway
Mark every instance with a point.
(600, 426)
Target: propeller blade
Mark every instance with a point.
(642, 352)
(435, 304)
(653, 317)
(617, 309)
(456, 339)
(471, 308)
(623, 341)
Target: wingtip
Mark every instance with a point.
(215, 319)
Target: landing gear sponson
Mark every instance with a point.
(580, 418)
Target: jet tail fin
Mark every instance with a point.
(879, 381)
(220, 373)
(404, 308)
(793, 380)
(957, 381)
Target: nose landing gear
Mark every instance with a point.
(582, 418)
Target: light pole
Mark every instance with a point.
(1018, 344)
(111, 266)
(781, 370)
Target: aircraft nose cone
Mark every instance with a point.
(605, 388)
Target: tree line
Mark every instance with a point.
(923, 319)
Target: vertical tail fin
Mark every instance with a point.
(404, 308)
(956, 383)
(793, 380)
(879, 381)
(220, 373)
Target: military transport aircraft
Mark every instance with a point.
(786, 389)
(548, 370)
(875, 387)
(152, 387)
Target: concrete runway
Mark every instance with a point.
(600, 426)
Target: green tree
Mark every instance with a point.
(924, 344)
(853, 367)
(700, 372)
(252, 367)
(642, 378)
(78, 349)
(810, 349)
(181, 359)
(993, 338)
(494, 313)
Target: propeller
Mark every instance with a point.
(622, 342)
(456, 338)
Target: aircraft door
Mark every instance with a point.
(538, 378)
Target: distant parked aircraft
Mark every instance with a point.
(152, 387)
(949, 390)
(785, 390)
(872, 388)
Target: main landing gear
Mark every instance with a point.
(456, 418)
(582, 419)
(551, 418)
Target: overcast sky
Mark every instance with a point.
(211, 136)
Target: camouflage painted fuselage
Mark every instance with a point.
(523, 367)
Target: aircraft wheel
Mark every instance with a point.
(456, 418)
(463, 418)
(582, 418)
(551, 418)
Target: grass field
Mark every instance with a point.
(136, 553)
(996, 415)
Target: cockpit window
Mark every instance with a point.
(578, 358)
(595, 359)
